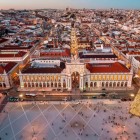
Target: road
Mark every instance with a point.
(74, 95)
(3, 104)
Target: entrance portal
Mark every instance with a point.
(75, 79)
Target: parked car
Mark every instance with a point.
(94, 97)
(103, 94)
(13, 99)
(123, 99)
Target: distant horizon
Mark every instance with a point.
(62, 4)
(70, 8)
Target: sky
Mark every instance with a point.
(61, 4)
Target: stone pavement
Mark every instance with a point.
(80, 120)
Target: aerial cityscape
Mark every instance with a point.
(70, 70)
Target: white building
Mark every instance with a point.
(136, 65)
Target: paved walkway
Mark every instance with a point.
(80, 120)
(3, 102)
(68, 92)
(2, 98)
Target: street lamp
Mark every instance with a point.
(132, 95)
(21, 95)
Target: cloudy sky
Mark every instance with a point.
(33, 4)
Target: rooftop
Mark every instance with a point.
(44, 68)
(6, 67)
(15, 47)
(97, 55)
(107, 68)
(137, 58)
(2, 40)
(12, 54)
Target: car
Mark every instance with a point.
(123, 99)
(5, 93)
(103, 94)
(13, 99)
(94, 97)
(64, 99)
(30, 95)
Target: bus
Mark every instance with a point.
(30, 95)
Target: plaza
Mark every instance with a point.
(77, 120)
(70, 73)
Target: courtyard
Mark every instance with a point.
(76, 120)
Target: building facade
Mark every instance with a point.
(136, 65)
(76, 74)
(8, 71)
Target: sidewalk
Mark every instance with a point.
(2, 98)
(87, 91)
(34, 89)
(2, 105)
(75, 93)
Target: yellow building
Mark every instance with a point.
(46, 75)
(7, 72)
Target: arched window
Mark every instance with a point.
(91, 84)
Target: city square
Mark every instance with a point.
(78, 120)
(69, 70)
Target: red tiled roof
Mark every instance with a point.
(19, 54)
(134, 53)
(86, 21)
(1, 69)
(66, 53)
(7, 67)
(137, 58)
(107, 68)
(2, 40)
(14, 47)
(9, 46)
